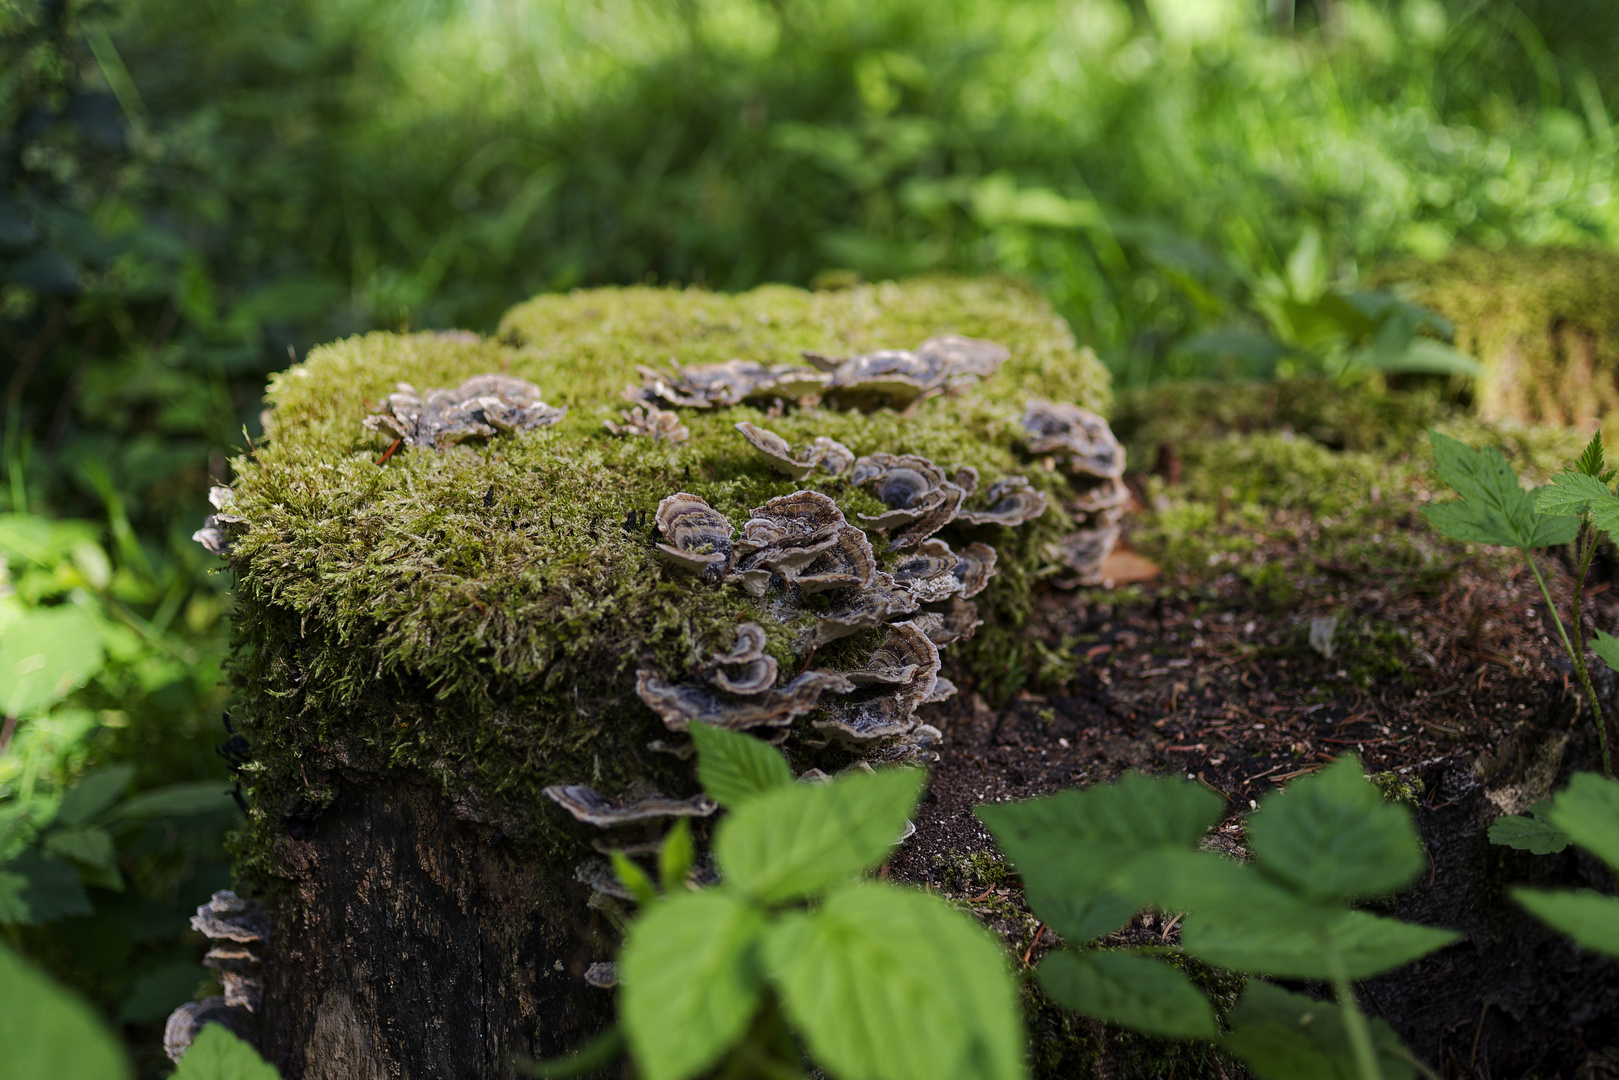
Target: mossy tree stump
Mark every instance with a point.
(426, 640)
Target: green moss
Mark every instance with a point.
(1544, 320)
(477, 615)
(1398, 788)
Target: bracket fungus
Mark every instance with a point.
(588, 805)
(697, 536)
(649, 421)
(213, 534)
(730, 383)
(481, 407)
(902, 377)
(825, 453)
(678, 705)
(920, 500)
(239, 930)
(1083, 447)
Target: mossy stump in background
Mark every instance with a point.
(1543, 320)
(427, 639)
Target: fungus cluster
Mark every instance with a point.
(239, 929)
(1080, 445)
(481, 407)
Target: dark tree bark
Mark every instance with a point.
(413, 944)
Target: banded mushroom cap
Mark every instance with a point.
(678, 705)
(928, 572)
(904, 656)
(697, 537)
(853, 610)
(955, 621)
(1010, 501)
(847, 562)
(227, 917)
(649, 421)
(591, 807)
(481, 407)
(963, 358)
(1084, 550)
(1105, 497)
(831, 455)
(775, 450)
(791, 529)
(900, 481)
(975, 565)
(900, 675)
(730, 383)
(746, 668)
(1080, 440)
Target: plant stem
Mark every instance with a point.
(1360, 1033)
(1580, 667)
(1575, 657)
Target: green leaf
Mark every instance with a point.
(157, 992)
(887, 983)
(94, 792)
(47, 1033)
(1333, 836)
(734, 767)
(1585, 915)
(1578, 494)
(1494, 508)
(1129, 990)
(1290, 942)
(688, 981)
(54, 889)
(1606, 646)
(180, 800)
(1591, 463)
(632, 877)
(801, 839)
(1086, 855)
(90, 846)
(675, 856)
(1287, 1036)
(13, 907)
(1588, 811)
(217, 1054)
(1529, 833)
(45, 656)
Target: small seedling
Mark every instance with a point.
(1577, 507)
(1585, 814)
(1090, 859)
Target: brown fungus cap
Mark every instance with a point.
(588, 805)
(746, 668)
(649, 421)
(1079, 439)
(697, 537)
(730, 383)
(678, 705)
(928, 572)
(481, 407)
(1009, 502)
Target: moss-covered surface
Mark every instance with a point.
(1544, 320)
(478, 614)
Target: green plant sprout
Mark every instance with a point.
(47, 1031)
(1091, 858)
(879, 982)
(1577, 507)
(1585, 814)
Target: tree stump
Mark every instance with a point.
(452, 618)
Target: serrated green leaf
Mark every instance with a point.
(675, 856)
(1085, 855)
(887, 983)
(157, 992)
(734, 767)
(94, 792)
(47, 1033)
(1332, 836)
(1287, 1036)
(1494, 508)
(1132, 991)
(217, 1054)
(1606, 646)
(1585, 915)
(800, 839)
(1291, 942)
(45, 656)
(1578, 494)
(90, 846)
(1590, 462)
(688, 981)
(1528, 833)
(1588, 812)
(180, 800)
(54, 889)
(632, 877)
(13, 907)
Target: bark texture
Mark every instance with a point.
(413, 944)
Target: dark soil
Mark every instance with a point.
(1452, 685)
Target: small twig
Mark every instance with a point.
(388, 453)
(980, 896)
(1030, 950)
(6, 733)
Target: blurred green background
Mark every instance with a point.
(191, 193)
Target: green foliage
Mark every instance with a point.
(47, 1032)
(1586, 814)
(1326, 839)
(1580, 495)
(881, 983)
(1494, 508)
(733, 767)
(1531, 832)
(1606, 646)
(217, 1054)
(1286, 1036)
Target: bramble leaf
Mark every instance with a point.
(1606, 646)
(94, 792)
(676, 856)
(887, 983)
(1529, 832)
(1132, 991)
(1588, 812)
(217, 1054)
(733, 767)
(1590, 462)
(1585, 915)
(1333, 836)
(801, 839)
(632, 877)
(93, 847)
(688, 981)
(1290, 942)
(1287, 1036)
(47, 1033)
(1087, 857)
(46, 656)
(1578, 494)
(1494, 508)
(180, 800)
(55, 889)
